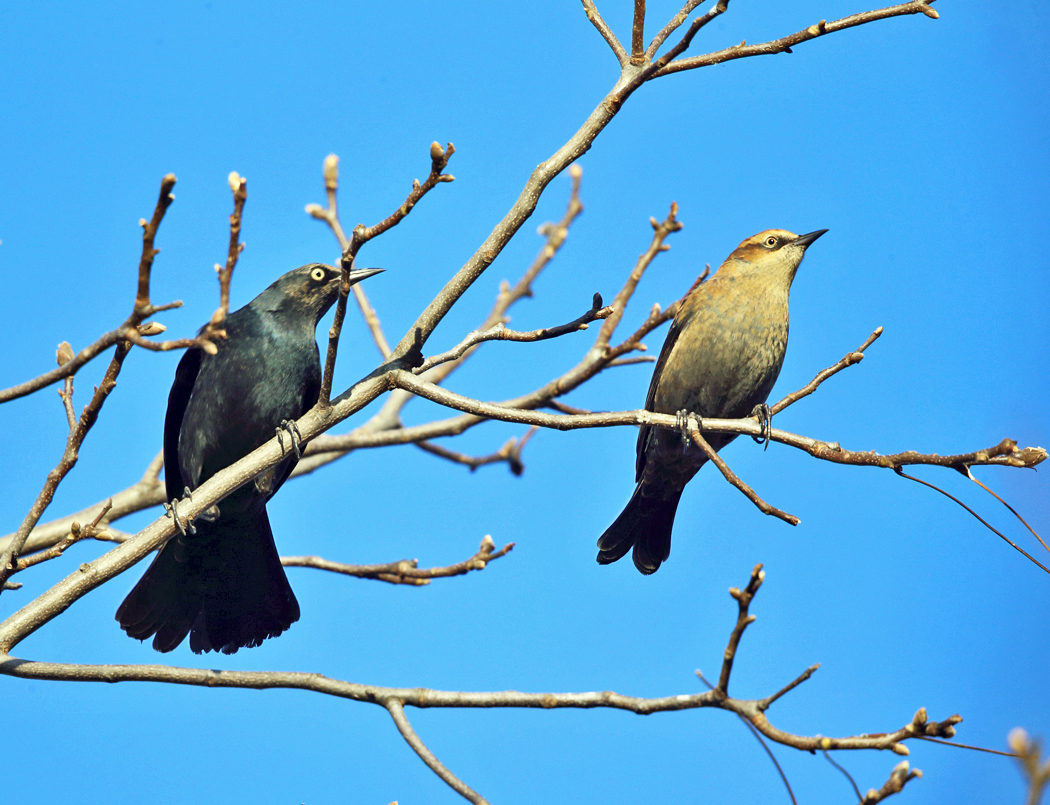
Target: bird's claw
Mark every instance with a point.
(765, 418)
(172, 510)
(293, 434)
(209, 515)
(681, 424)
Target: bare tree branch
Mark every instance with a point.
(439, 158)
(330, 215)
(899, 777)
(765, 746)
(77, 433)
(142, 309)
(407, 571)
(76, 533)
(671, 27)
(638, 33)
(694, 433)
(501, 333)
(604, 30)
(1036, 771)
(144, 494)
(510, 453)
(784, 44)
(50, 604)
(215, 328)
(849, 360)
(397, 712)
(744, 619)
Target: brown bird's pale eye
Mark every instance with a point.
(771, 241)
(317, 274)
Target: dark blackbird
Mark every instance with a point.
(224, 584)
(721, 358)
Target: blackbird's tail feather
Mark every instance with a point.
(645, 524)
(247, 595)
(164, 603)
(224, 586)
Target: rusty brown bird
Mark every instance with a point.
(721, 358)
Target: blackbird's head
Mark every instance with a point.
(308, 291)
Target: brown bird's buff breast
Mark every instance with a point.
(725, 360)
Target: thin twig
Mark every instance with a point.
(76, 533)
(744, 619)
(766, 703)
(1035, 769)
(983, 522)
(143, 306)
(671, 27)
(762, 742)
(397, 712)
(509, 453)
(605, 31)
(661, 229)
(849, 360)
(406, 571)
(729, 475)
(555, 236)
(849, 776)
(439, 158)
(215, 328)
(1013, 511)
(967, 746)
(146, 493)
(330, 215)
(501, 333)
(784, 44)
(141, 310)
(899, 777)
(9, 557)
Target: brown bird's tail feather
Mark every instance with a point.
(645, 523)
(224, 586)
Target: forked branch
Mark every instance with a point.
(394, 700)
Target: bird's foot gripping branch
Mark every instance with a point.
(262, 470)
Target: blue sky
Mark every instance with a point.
(921, 145)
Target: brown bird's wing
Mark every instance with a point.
(681, 321)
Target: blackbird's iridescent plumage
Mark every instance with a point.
(223, 584)
(721, 358)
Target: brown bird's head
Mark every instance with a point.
(309, 291)
(775, 250)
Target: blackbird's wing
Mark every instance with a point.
(311, 392)
(178, 398)
(681, 321)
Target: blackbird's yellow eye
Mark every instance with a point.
(318, 274)
(771, 241)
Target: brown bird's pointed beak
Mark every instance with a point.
(359, 274)
(805, 240)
